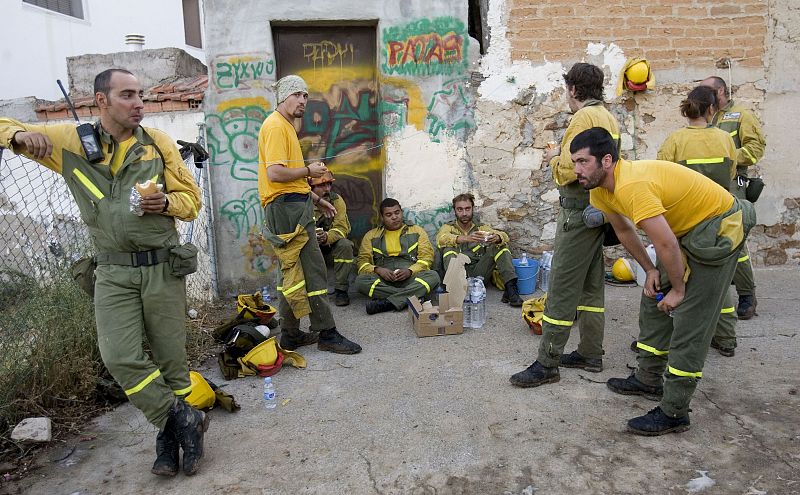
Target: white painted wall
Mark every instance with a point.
(35, 42)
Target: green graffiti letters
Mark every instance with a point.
(233, 139)
(249, 71)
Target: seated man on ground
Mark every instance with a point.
(394, 262)
(487, 248)
(332, 236)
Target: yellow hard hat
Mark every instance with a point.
(201, 397)
(623, 270)
(638, 73)
(533, 312)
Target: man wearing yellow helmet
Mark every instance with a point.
(332, 236)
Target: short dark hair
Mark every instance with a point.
(587, 79)
(388, 203)
(464, 197)
(698, 101)
(719, 83)
(102, 81)
(599, 142)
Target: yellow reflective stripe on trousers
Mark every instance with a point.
(321, 292)
(377, 250)
(449, 253)
(417, 279)
(504, 250)
(699, 161)
(734, 133)
(749, 155)
(743, 258)
(279, 288)
(677, 372)
(413, 246)
(294, 288)
(372, 287)
(563, 323)
(426, 263)
(651, 350)
(339, 231)
(88, 184)
(362, 266)
(475, 249)
(191, 201)
(142, 384)
(727, 310)
(182, 391)
(336, 260)
(591, 309)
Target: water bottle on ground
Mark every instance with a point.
(544, 269)
(524, 260)
(265, 294)
(468, 305)
(270, 401)
(479, 304)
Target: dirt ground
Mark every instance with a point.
(438, 416)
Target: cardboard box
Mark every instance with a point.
(430, 322)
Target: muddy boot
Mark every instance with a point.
(376, 306)
(333, 341)
(190, 425)
(535, 375)
(632, 386)
(341, 298)
(726, 351)
(747, 307)
(656, 422)
(293, 338)
(167, 451)
(511, 294)
(576, 360)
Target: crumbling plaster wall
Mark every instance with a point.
(520, 106)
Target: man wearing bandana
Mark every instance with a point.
(289, 224)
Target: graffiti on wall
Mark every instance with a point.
(245, 71)
(345, 124)
(425, 47)
(450, 111)
(431, 219)
(328, 53)
(233, 135)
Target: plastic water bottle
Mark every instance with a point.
(544, 278)
(524, 260)
(479, 304)
(270, 402)
(265, 294)
(468, 304)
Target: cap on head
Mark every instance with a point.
(325, 179)
(289, 85)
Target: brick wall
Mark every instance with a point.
(672, 34)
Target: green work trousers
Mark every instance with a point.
(418, 284)
(576, 291)
(743, 279)
(133, 304)
(482, 266)
(725, 333)
(676, 346)
(340, 253)
(283, 217)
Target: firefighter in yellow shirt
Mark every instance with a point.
(394, 262)
(697, 228)
(745, 130)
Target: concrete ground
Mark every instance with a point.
(438, 416)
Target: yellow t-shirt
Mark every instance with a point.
(119, 156)
(392, 238)
(278, 143)
(594, 115)
(647, 188)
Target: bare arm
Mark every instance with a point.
(669, 253)
(278, 172)
(626, 233)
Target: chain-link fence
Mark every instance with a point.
(41, 230)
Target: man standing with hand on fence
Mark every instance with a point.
(140, 289)
(289, 215)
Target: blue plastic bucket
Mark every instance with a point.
(526, 276)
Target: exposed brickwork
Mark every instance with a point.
(670, 34)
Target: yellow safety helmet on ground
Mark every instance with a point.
(623, 270)
(638, 73)
(533, 312)
(202, 396)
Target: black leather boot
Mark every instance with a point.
(291, 339)
(167, 451)
(190, 426)
(511, 294)
(333, 341)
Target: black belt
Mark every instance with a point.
(137, 259)
(293, 198)
(573, 203)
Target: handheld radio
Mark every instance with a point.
(86, 133)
